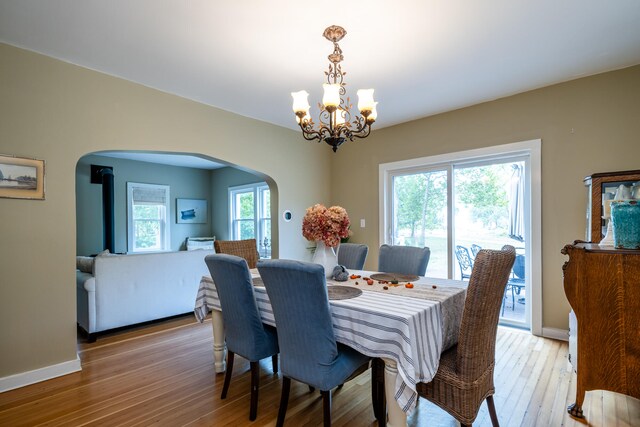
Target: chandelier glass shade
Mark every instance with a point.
(336, 122)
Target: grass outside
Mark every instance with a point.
(438, 245)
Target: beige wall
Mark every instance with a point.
(59, 112)
(587, 125)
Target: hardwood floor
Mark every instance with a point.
(163, 374)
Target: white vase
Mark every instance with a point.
(326, 257)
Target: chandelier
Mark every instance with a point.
(336, 123)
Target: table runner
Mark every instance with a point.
(447, 292)
(412, 330)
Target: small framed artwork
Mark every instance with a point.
(191, 211)
(21, 178)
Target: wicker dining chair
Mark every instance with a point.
(246, 249)
(465, 375)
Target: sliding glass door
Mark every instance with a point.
(420, 215)
(458, 208)
(489, 213)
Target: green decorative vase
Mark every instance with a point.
(626, 224)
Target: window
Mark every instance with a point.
(147, 217)
(420, 216)
(250, 215)
(459, 203)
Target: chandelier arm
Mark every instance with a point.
(320, 134)
(361, 124)
(310, 135)
(325, 132)
(307, 136)
(362, 131)
(367, 128)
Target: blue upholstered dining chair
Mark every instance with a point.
(309, 352)
(245, 333)
(403, 259)
(352, 255)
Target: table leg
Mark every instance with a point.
(397, 417)
(377, 391)
(219, 346)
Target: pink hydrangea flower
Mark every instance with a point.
(326, 224)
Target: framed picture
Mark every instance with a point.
(21, 178)
(191, 211)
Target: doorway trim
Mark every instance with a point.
(533, 215)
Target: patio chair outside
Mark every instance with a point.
(516, 281)
(475, 249)
(465, 262)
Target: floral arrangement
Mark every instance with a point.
(326, 224)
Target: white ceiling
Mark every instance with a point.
(422, 56)
(183, 160)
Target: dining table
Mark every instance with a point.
(405, 324)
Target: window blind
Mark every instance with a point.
(149, 196)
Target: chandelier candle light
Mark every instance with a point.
(336, 124)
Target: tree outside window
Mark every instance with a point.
(251, 215)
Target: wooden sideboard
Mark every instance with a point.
(602, 285)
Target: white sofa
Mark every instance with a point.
(128, 289)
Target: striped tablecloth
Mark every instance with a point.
(410, 326)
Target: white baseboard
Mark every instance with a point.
(25, 378)
(556, 334)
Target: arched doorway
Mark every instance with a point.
(189, 176)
